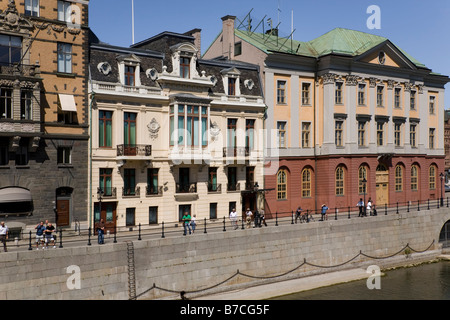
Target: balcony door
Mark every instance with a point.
(129, 134)
(184, 179)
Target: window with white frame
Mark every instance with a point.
(64, 11)
(64, 57)
(32, 8)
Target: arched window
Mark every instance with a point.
(362, 174)
(306, 183)
(282, 185)
(432, 177)
(339, 181)
(414, 177)
(398, 178)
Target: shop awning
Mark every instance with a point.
(14, 194)
(67, 102)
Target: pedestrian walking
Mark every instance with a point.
(360, 204)
(234, 218)
(40, 228)
(4, 231)
(298, 214)
(193, 223)
(262, 218)
(324, 213)
(101, 231)
(369, 207)
(248, 215)
(186, 222)
(48, 235)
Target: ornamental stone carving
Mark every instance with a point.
(215, 131)
(329, 78)
(390, 84)
(153, 128)
(373, 82)
(104, 68)
(351, 80)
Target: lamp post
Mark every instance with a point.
(442, 189)
(100, 194)
(365, 186)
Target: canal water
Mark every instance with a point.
(430, 281)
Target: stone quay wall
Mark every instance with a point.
(199, 263)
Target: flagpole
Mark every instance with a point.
(132, 20)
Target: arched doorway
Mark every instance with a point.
(444, 236)
(382, 185)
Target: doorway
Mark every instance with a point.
(382, 185)
(107, 213)
(63, 208)
(182, 209)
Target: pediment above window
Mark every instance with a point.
(130, 58)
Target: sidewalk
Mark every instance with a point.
(272, 290)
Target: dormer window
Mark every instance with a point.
(130, 75)
(185, 65)
(231, 81)
(231, 86)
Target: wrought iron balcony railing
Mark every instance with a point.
(186, 188)
(134, 150)
(152, 191)
(214, 187)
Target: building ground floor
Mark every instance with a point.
(43, 179)
(341, 181)
(128, 193)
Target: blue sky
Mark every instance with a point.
(421, 28)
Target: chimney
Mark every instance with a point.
(228, 36)
(197, 34)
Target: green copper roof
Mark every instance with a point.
(337, 41)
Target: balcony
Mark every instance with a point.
(233, 152)
(131, 192)
(214, 187)
(233, 187)
(134, 150)
(151, 191)
(109, 193)
(186, 191)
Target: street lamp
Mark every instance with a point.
(365, 186)
(100, 194)
(442, 189)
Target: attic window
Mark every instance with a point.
(381, 57)
(237, 49)
(185, 65)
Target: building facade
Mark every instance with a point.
(350, 116)
(43, 123)
(172, 133)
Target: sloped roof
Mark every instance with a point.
(337, 41)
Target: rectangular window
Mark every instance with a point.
(4, 153)
(32, 8)
(231, 86)
(129, 179)
(130, 75)
(106, 181)
(184, 180)
(237, 49)
(398, 134)
(338, 133)
(231, 128)
(152, 215)
(250, 134)
(432, 104)
(281, 126)
(181, 118)
(380, 133)
(361, 94)
(232, 179)
(306, 93)
(26, 105)
(64, 57)
(105, 129)
(64, 11)
(361, 133)
(338, 93)
(64, 155)
(22, 155)
(412, 100)
(10, 49)
(306, 133)
(380, 96)
(249, 178)
(185, 64)
(397, 97)
(6, 111)
(412, 135)
(212, 179)
(281, 92)
(204, 133)
(129, 131)
(130, 215)
(431, 138)
(213, 210)
(152, 181)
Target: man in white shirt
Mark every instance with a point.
(234, 218)
(249, 215)
(3, 234)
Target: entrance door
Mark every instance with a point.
(182, 209)
(382, 186)
(63, 212)
(108, 214)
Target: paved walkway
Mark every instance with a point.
(272, 290)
